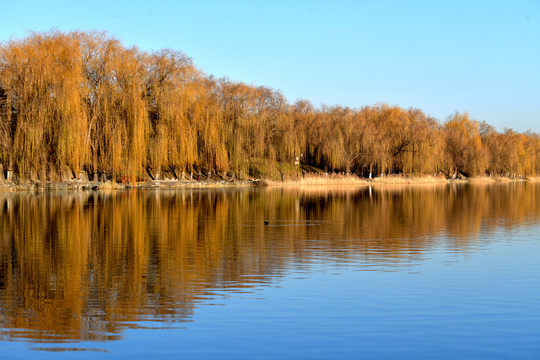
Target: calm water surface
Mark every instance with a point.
(423, 272)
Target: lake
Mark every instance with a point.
(448, 271)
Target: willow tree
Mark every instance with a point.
(465, 150)
(117, 130)
(7, 125)
(512, 152)
(210, 127)
(376, 140)
(172, 85)
(234, 98)
(531, 153)
(326, 139)
(129, 116)
(424, 154)
(41, 79)
(345, 146)
(100, 55)
(293, 131)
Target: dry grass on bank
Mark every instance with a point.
(498, 179)
(317, 180)
(487, 179)
(332, 180)
(401, 179)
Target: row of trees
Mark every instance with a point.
(82, 101)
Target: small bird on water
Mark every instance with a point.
(265, 222)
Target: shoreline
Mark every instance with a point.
(390, 180)
(77, 185)
(308, 181)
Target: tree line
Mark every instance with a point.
(83, 101)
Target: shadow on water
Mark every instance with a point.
(87, 265)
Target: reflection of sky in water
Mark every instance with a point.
(450, 306)
(345, 277)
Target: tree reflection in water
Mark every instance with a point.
(86, 265)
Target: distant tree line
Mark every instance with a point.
(82, 101)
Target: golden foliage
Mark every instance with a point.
(81, 100)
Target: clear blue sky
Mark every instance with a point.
(482, 57)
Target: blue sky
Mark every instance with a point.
(482, 57)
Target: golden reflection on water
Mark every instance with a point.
(85, 265)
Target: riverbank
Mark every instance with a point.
(109, 185)
(308, 180)
(331, 180)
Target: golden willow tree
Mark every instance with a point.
(44, 117)
(118, 126)
(82, 101)
(172, 86)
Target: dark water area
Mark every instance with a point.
(412, 272)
